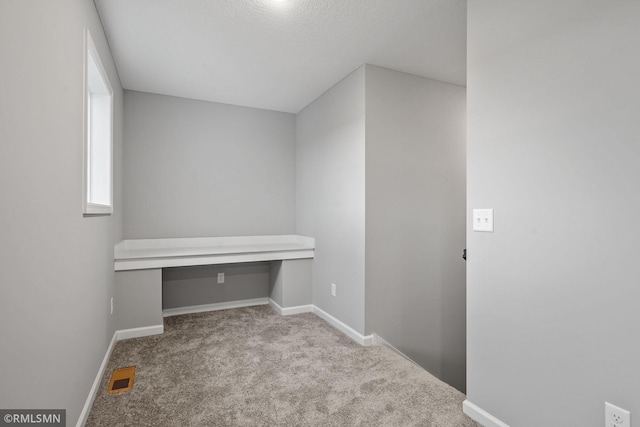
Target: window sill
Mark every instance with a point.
(95, 209)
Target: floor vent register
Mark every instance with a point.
(121, 380)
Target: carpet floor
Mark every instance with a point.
(252, 367)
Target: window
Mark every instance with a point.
(98, 130)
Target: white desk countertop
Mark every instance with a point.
(139, 254)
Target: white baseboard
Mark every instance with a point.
(125, 334)
(344, 328)
(287, 311)
(378, 340)
(96, 383)
(214, 307)
(275, 306)
(480, 415)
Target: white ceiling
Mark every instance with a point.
(278, 55)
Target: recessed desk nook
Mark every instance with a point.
(139, 264)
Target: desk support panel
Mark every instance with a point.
(138, 299)
(290, 282)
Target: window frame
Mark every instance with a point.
(90, 207)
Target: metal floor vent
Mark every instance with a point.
(121, 380)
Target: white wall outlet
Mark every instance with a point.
(615, 416)
(333, 289)
(483, 220)
(220, 277)
(111, 305)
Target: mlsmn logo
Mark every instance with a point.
(33, 417)
(36, 418)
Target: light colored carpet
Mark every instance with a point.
(253, 367)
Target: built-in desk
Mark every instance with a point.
(139, 262)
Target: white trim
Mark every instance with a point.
(480, 415)
(344, 328)
(375, 339)
(378, 340)
(288, 311)
(186, 261)
(140, 254)
(90, 49)
(97, 209)
(128, 248)
(298, 309)
(214, 307)
(145, 331)
(96, 383)
(275, 306)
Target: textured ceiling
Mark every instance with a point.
(278, 55)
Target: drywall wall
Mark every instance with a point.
(189, 286)
(138, 299)
(415, 218)
(199, 169)
(330, 199)
(290, 282)
(56, 270)
(553, 147)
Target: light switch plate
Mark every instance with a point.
(483, 220)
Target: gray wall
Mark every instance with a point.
(138, 298)
(330, 197)
(553, 147)
(198, 169)
(187, 286)
(291, 282)
(56, 271)
(415, 218)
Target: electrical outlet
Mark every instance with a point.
(615, 416)
(111, 305)
(220, 277)
(333, 289)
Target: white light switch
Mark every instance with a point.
(483, 220)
